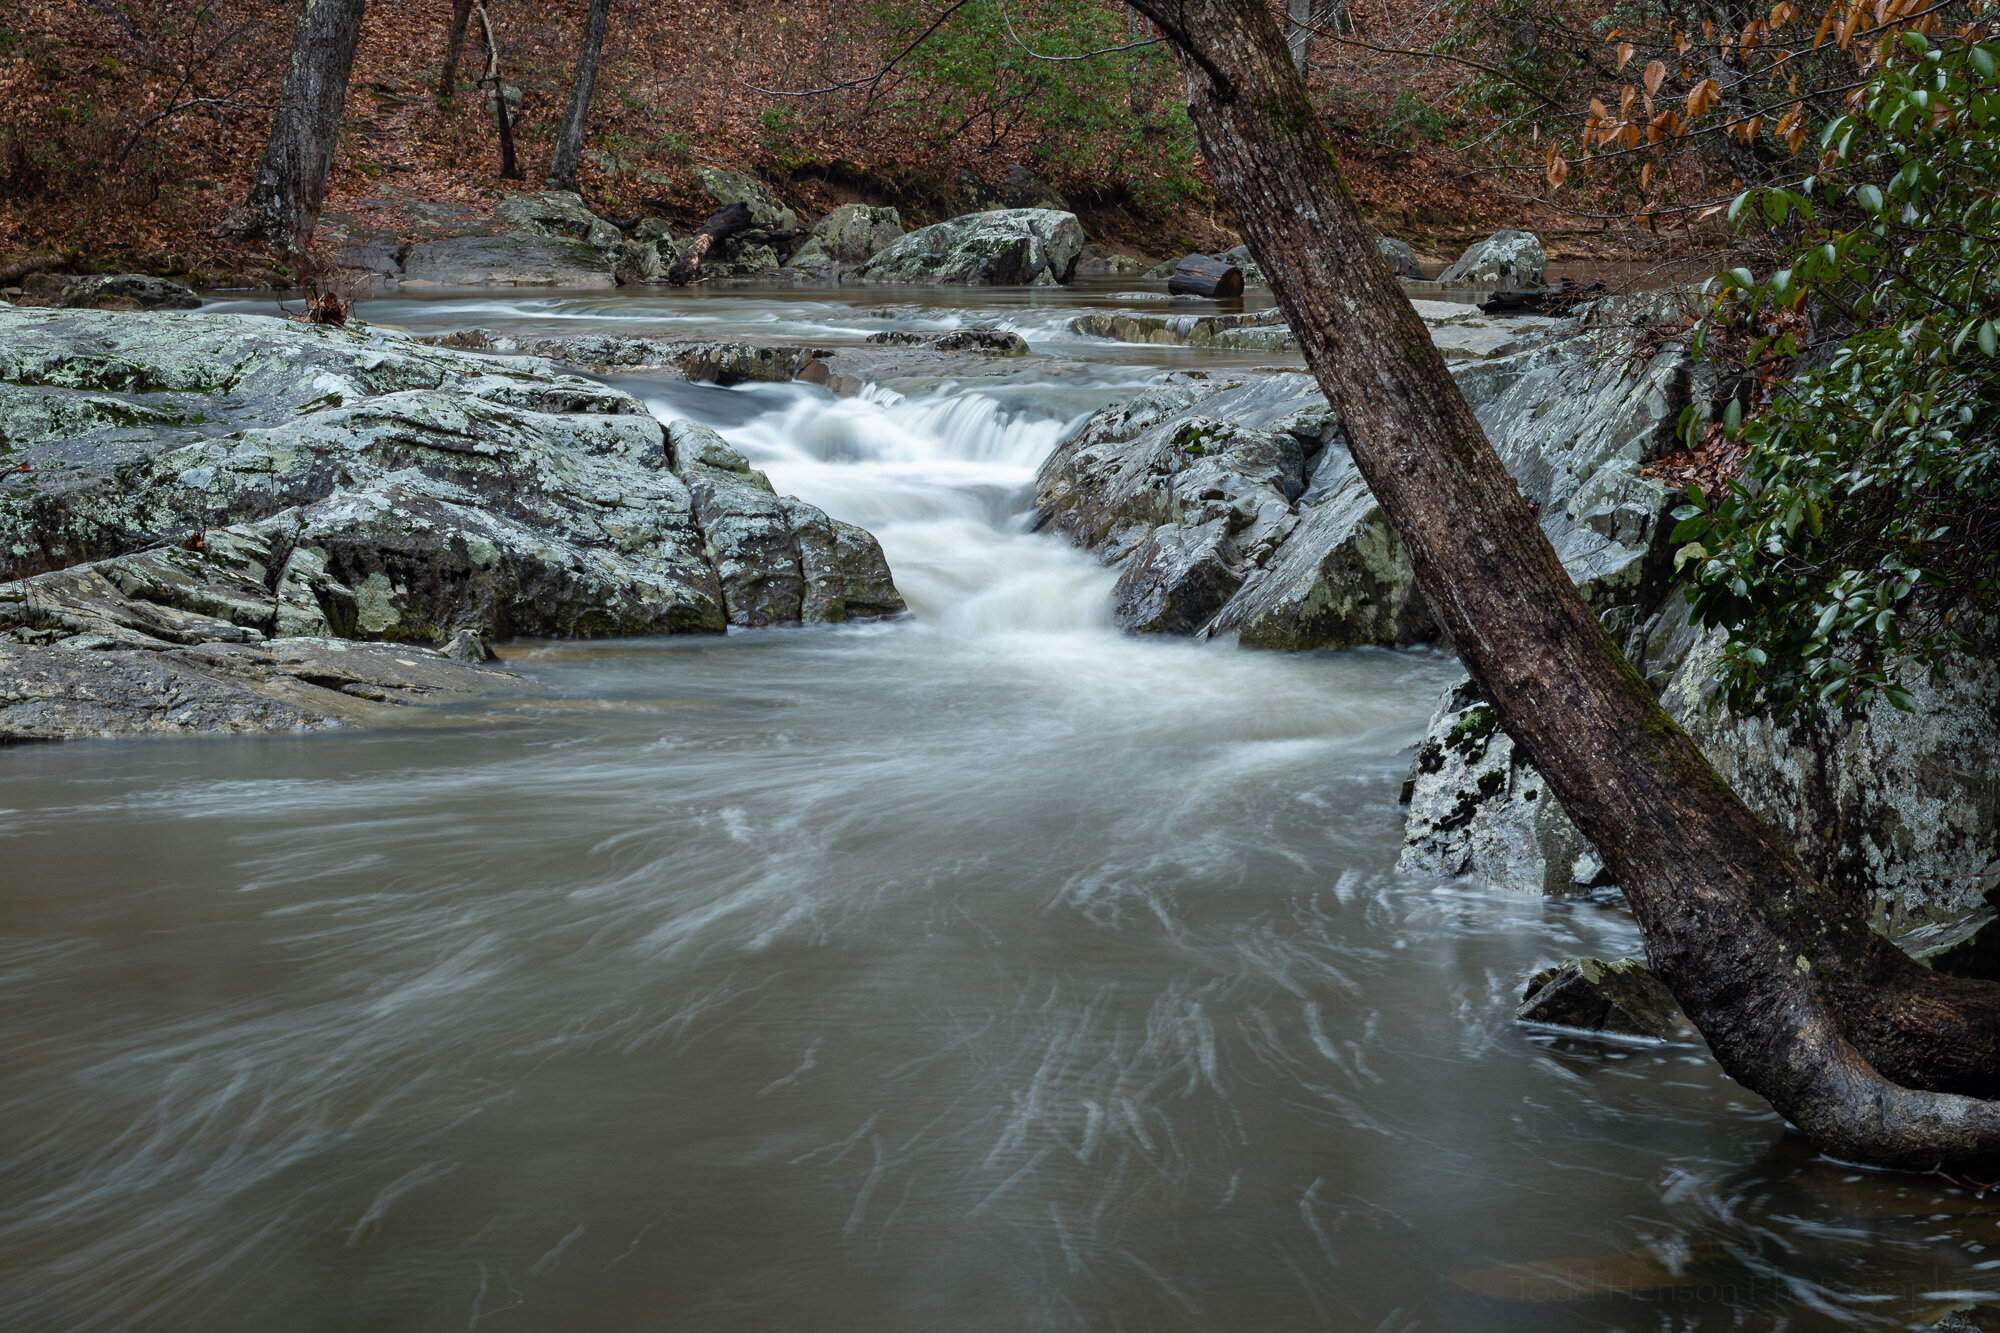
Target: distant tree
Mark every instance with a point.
(569, 138)
(454, 48)
(283, 204)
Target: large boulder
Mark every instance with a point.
(516, 259)
(557, 213)
(1401, 257)
(852, 234)
(207, 478)
(116, 291)
(734, 187)
(1197, 490)
(1008, 247)
(1513, 258)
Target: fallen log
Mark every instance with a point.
(1205, 275)
(1539, 301)
(14, 272)
(731, 221)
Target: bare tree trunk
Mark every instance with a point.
(1298, 33)
(569, 140)
(1875, 1059)
(283, 204)
(503, 118)
(454, 47)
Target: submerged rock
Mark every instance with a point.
(370, 487)
(1621, 997)
(1009, 247)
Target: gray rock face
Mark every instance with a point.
(1197, 490)
(735, 187)
(82, 687)
(1478, 807)
(1253, 273)
(1258, 331)
(373, 488)
(512, 260)
(1401, 257)
(556, 213)
(698, 362)
(1514, 258)
(118, 291)
(1892, 804)
(1097, 262)
(1009, 247)
(1621, 997)
(849, 235)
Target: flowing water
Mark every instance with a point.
(989, 970)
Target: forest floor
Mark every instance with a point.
(128, 132)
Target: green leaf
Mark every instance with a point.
(1989, 338)
(1869, 197)
(1981, 61)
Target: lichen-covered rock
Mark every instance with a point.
(735, 187)
(557, 213)
(117, 291)
(1257, 331)
(855, 233)
(1009, 247)
(1097, 262)
(1402, 258)
(992, 342)
(1621, 997)
(1253, 272)
(1905, 805)
(1199, 490)
(1575, 419)
(1515, 258)
(723, 363)
(1478, 807)
(517, 259)
(368, 487)
(90, 687)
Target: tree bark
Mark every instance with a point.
(1205, 275)
(454, 48)
(283, 204)
(569, 139)
(1873, 1058)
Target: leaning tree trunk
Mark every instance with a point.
(454, 48)
(1875, 1059)
(503, 119)
(283, 204)
(569, 140)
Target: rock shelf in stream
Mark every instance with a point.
(180, 481)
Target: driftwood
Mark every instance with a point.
(734, 220)
(20, 269)
(1205, 275)
(1539, 301)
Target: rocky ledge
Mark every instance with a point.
(200, 486)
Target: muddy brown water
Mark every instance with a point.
(986, 971)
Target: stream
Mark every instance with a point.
(984, 970)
